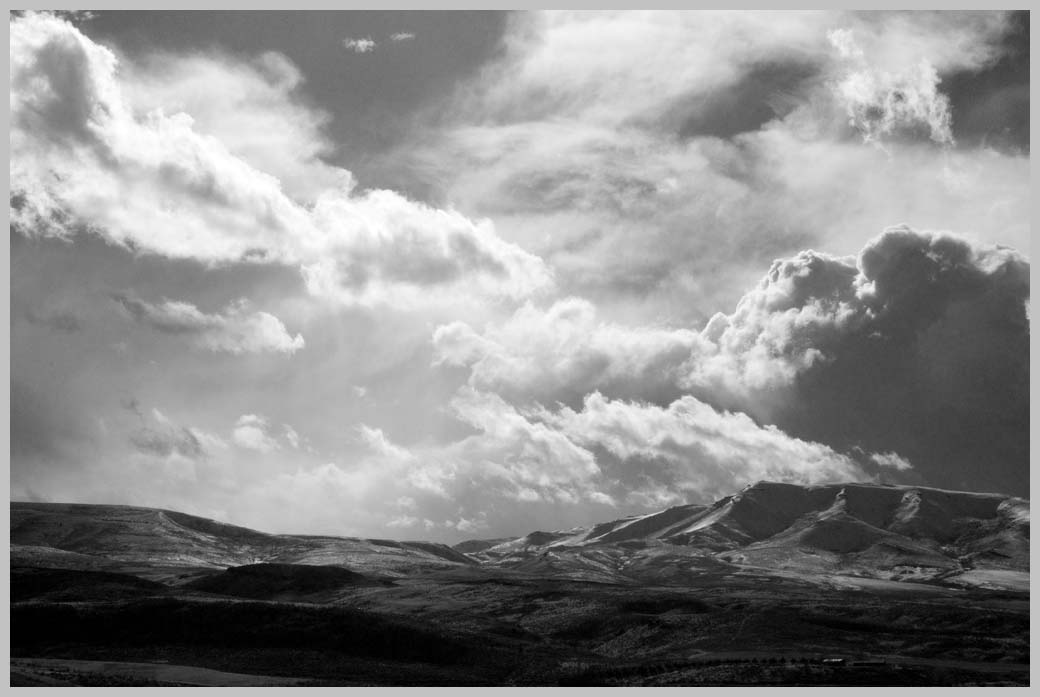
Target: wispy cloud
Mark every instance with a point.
(402, 36)
(235, 331)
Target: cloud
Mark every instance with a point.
(291, 436)
(84, 157)
(880, 104)
(564, 352)
(653, 176)
(402, 36)
(161, 437)
(693, 452)
(377, 442)
(182, 442)
(365, 45)
(524, 469)
(917, 346)
(236, 331)
(255, 107)
(254, 432)
(892, 460)
(75, 16)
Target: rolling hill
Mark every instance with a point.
(158, 543)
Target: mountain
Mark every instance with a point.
(894, 533)
(839, 534)
(163, 544)
(846, 584)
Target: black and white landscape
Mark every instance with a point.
(531, 348)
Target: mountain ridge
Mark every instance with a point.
(889, 532)
(849, 530)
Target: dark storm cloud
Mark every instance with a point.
(920, 347)
(912, 356)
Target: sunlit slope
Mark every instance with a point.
(885, 532)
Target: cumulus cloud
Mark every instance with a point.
(564, 352)
(807, 309)
(880, 103)
(694, 452)
(256, 107)
(917, 346)
(921, 350)
(704, 143)
(364, 45)
(236, 331)
(83, 156)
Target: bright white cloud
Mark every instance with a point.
(236, 330)
(256, 108)
(880, 104)
(699, 453)
(566, 351)
(81, 154)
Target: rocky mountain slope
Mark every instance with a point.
(855, 530)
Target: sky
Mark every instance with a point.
(430, 275)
